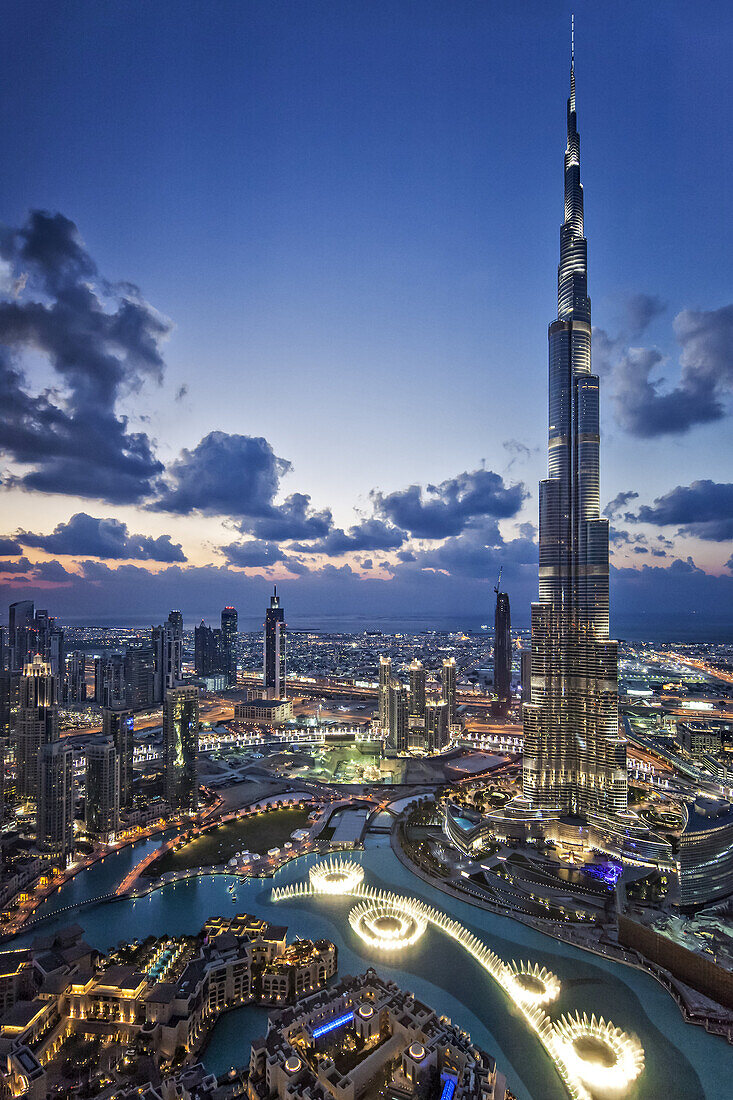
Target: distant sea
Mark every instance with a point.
(657, 628)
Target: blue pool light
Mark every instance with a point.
(333, 1024)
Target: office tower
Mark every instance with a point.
(9, 701)
(210, 657)
(398, 716)
(503, 649)
(181, 747)
(49, 642)
(139, 677)
(36, 723)
(448, 692)
(55, 813)
(75, 684)
(385, 680)
(574, 759)
(21, 634)
(436, 726)
(8, 775)
(4, 649)
(526, 659)
(102, 792)
(274, 663)
(418, 680)
(167, 647)
(229, 623)
(175, 620)
(109, 680)
(118, 726)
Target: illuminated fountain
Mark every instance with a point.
(604, 1057)
(534, 985)
(336, 876)
(386, 927)
(593, 1058)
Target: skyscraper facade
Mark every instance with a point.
(167, 643)
(503, 648)
(385, 683)
(448, 692)
(574, 759)
(118, 726)
(274, 659)
(229, 626)
(418, 682)
(55, 813)
(102, 791)
(181, 747)
(36, 723)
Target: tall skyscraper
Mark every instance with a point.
(55, 813)
(385, 682)
(399, 724)
(109, 680)
(167, 644)
(503, 649)
(139, 673)
(20, 628)
(574, 759)
(274, 662)
(448, 693)
(75, 683)
(36, 723)
(526, 659)
(418, 680)
(118, 726)
(181, 747)
(436, 726)
(229, 623)
(210, 657)
(102, 791)
(175, 620)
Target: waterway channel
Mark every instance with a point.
(681, 1060)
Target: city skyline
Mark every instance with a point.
(160, 448)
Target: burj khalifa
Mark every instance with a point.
(574, 760)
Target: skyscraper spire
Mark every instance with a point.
(574, 760)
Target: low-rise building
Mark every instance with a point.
(272, 711)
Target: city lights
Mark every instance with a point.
(336, 876)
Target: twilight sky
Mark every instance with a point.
(275, 281)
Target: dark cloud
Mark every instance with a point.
(293, 519)
(253, 554)
(703, 509)
(102, 340)
(181, 392)
(9, 547)
(87, 536)
(639, 310)
(619, 502)
(370, 534)
(232, 475)
(448, 508)
(645, 404)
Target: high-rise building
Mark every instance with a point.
(275, 645)
(109, 680)
(167, 646)
(175, 620)
(181, 747)
(436, 726)
(139, 675)
(418, 681)
(210, 657)
(399, 723)
(118, 726)
(503, 649)
(49, 642)
(55, 813)
(102, 791)
(448, 692)
(20, 632)
(229, 624)
(385, 682)
(75, 683)
(36, 723)
(574, 759)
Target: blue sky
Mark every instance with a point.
(343, 221)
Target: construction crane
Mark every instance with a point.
(497, 586)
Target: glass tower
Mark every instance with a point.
(574, 759)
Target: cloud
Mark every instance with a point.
(446, 509)
(703, 509)
(293, 519)
(87, 536)
(619, 502)
(370, 534)
(233, 475)
(9, 547)
(253, 554)
(646, 405)
(638, 312)
(181, 392)
(102, 341)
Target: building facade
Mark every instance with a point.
(36, 723)
(118, 726)
(503, 649)
(55, 812)
(102, 792)
(275, 665)
(181, 747)
(229, 633)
